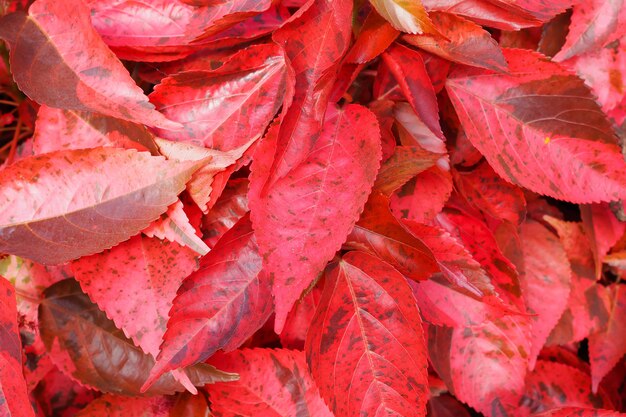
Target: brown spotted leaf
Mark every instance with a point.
(366, 347)
(63, 205)
(134, 283)
(51, 67)
(287, 388)
(220, 306)
(538, 126)
(310, 212)
(86, 345)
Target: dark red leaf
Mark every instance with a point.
(86, 345)
(210, 305)
(49, 67)
(110, 405)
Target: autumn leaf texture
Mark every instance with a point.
(312, 208)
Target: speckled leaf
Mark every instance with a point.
(219, 306)
(489, 361)
(602, 229)
(492, 195)
(380, 234)
(406, 15)
(110, 405)
(164, 30)
(594, 24)
(13, 393)
(485, 12)
(229, 208)
(545, 282)
(409, 70)
(66, 204)
(134, 283)
(88, 346)
(606, 346)
(423, 197)
(313, 41)
(405, 163)
(540, 129)
(579, 412)
(58, 129)
(174, 225)
(52, 68)
(272, 383)
(552, 385)
(311, 210)
(225, 108)
(366, 347)
(463, 41)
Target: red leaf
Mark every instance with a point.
(489, 193)
(489, 361)
(13, 393)
(58, 129)
(603, 231)
(407, 16)
(299, 320)
(375, 36)
(135, 283)
(409, 70)
(423, 197)
(556, 385)
(606, 346)
(66, 204)
(229, 208)
(311, 210)
(541, 9)
(485, 12)
(545, 282)
(405, 163)
(88, 347)
(561, 145)
(365, 346)
(49, 67)
(463, 41)
(210, 304)
(162, 30)
(287, 388)
(380, 234)
(594, 24)
(578, 412)
(225, 108)
(110, 405)
(313, 57)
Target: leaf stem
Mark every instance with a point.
(14, 141)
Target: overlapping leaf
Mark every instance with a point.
(88, 347)
(540, 128)
(365, 346)
(310, 211)
(52, 68)
(207, 313)
(287, 388)
(66, 204)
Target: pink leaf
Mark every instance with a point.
(365, 346)
(311, 211)
(53, 69)
(134, 283)
(67, 204)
